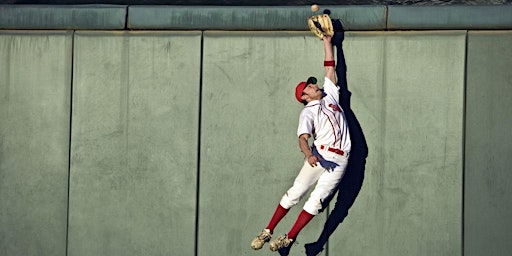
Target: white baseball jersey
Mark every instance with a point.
(325, 121)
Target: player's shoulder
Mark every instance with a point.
(310, 108)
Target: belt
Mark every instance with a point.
(334, 150)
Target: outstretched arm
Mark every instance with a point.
(329, 58)
(306, 150)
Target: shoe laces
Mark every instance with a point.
(264, 235)
(284, 241)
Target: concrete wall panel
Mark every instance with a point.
(136, 121)
(249, 147)
(134, 143)
(410, 202)
(488, 211)
(35, 84)
(63, 16)
(356, 17)
(449, 17)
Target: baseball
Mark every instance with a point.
(315, 8)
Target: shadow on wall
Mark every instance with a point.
(350, 185)
(352, 181)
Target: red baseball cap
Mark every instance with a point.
(300, 87)
(298, 91)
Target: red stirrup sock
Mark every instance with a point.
(301, 222)
(278, 216)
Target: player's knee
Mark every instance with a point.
(293, 195)
(313, 207)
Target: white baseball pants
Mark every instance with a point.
(327, 181)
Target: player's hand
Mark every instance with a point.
(313, 160)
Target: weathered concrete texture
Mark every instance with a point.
(35, 78)
(408, 89)
(249, 152)
(290, 18)
(134, 143)
(385, 16)
(449, 17)
(408, 94)
(184, 142)
(488, 145)
(63, 17)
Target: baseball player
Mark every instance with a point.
(326, 159)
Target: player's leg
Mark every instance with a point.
(327, 182)
(307, 177)
(326, 185)
(285, 241)
(324, 188)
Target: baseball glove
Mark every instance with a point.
(321, 25)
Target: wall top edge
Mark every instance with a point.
(252, 18)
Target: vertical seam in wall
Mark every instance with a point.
(126, 17)
(69, 138)
(464, 97)
(198, 173)
(124, 116)
(327, 243)
(386, 16)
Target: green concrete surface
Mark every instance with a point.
(449, 17)
(183, 142)
(408, 93)
(412, 118)
(488, 145)
(134, 143)
(35, 78)
(253, 18)
(249, 147)
(63, 16)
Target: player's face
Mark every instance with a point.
(311, 92)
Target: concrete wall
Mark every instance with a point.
(134, 143)
(488, 146)
(410, 106)
(182, 142)
(35, 89)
